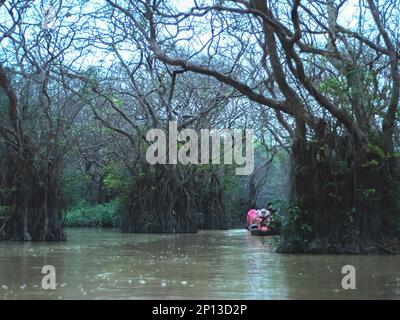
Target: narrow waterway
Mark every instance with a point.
(106, 264)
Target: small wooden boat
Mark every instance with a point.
(262, 232)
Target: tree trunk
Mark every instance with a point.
(160, 202)
(213, 208)
(341, 197)
(34, 199)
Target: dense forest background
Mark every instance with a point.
(81, 83)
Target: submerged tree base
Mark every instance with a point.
(172, 199)
(384, 246)
(33, 199)
(343, 199)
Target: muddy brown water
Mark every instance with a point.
(107, 264)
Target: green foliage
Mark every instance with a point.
(92, 82)
(4, 211)
(149, 221)
(102, 215)
(279, 216)
(116, 178)
(334, 87)
(378, 151)
(296, 231)
(372, 163)
(117, 102)
(74, 186)
(367, 193)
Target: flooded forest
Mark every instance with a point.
(137, 136)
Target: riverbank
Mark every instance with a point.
(101, 215)
(108, 215)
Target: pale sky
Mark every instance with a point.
(348, 19)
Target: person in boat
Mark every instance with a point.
(263, 219)
(252, 218)
(257, 219)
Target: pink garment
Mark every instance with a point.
(263, 228)
(251, 215)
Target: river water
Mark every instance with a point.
(106, 264)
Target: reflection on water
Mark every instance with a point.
(105, 264)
